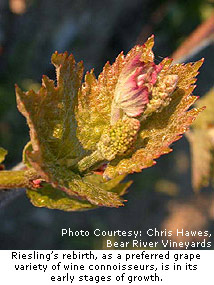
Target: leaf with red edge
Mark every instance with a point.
(161, 129)
(53, 198)
(55, 147)
(50, 115)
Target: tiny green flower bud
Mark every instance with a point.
(119, 138)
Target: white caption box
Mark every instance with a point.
(106, 267)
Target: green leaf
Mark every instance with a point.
(54, 198)
(3, 153)
(50, 116)
(55, 148)
(201, 139)
(165, 119)
(74, 184)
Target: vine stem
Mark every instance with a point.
(10, 179)
(91, 161)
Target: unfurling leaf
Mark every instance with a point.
(113, 125)
(201, 138)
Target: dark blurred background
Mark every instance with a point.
(96, 31)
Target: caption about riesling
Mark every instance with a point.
(105, 267)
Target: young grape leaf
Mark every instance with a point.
(131, 79)
(54, 147)
(54, 198)
(50, 115)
